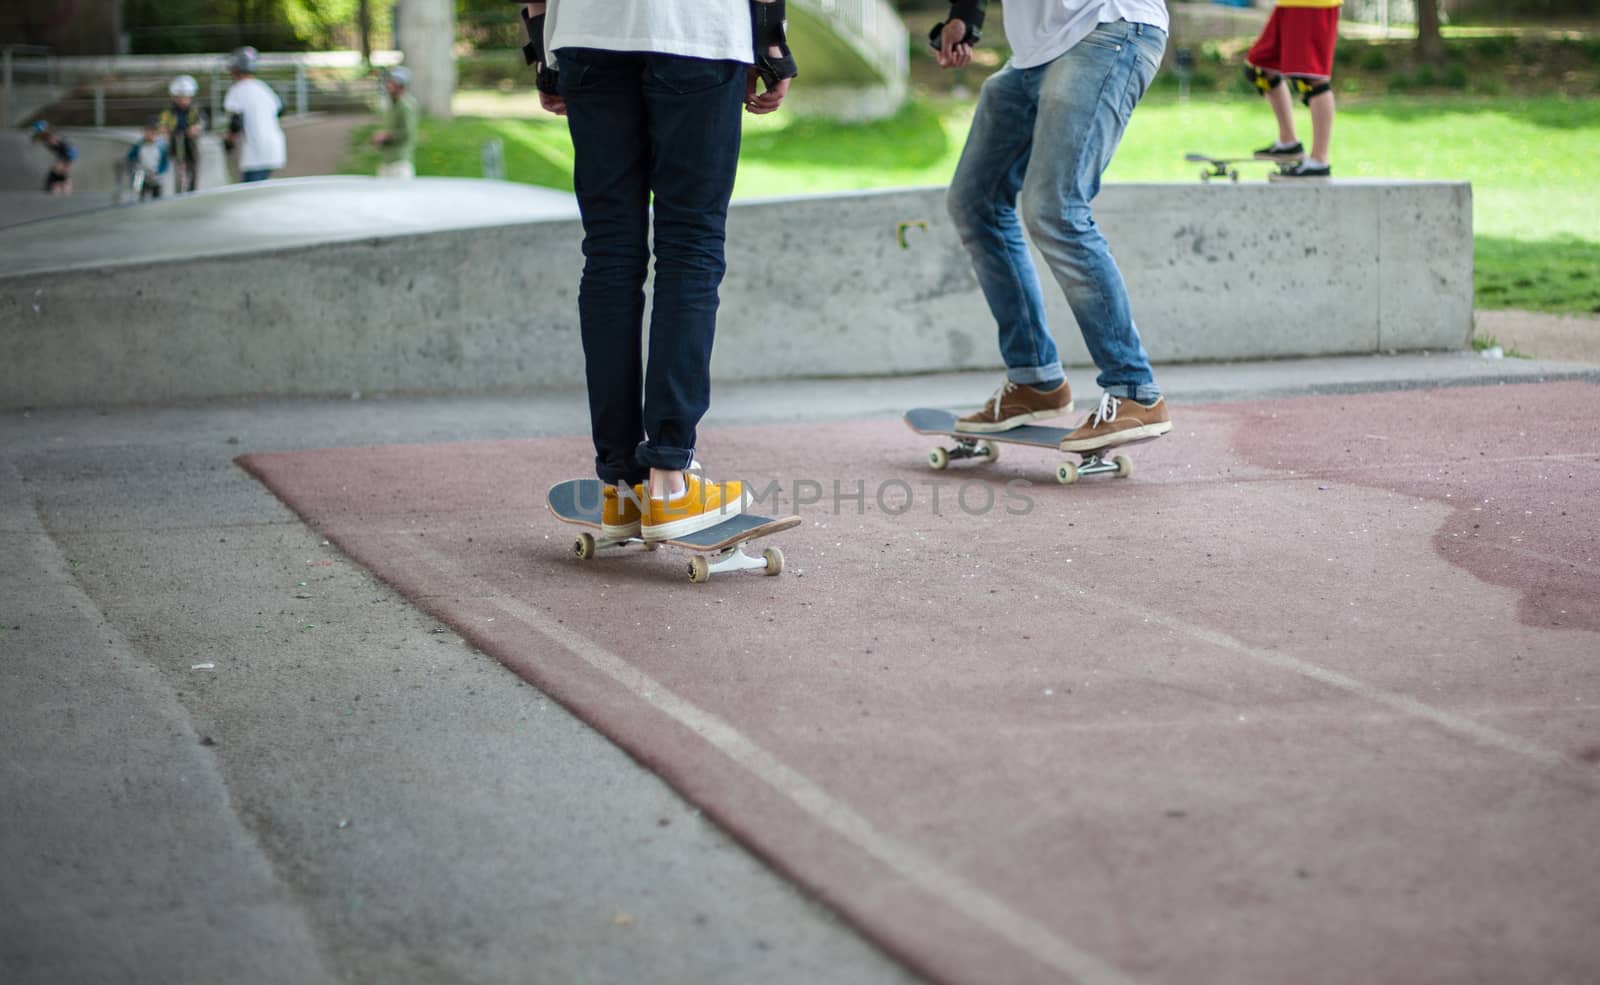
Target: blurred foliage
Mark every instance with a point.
(194, 26)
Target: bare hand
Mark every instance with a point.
(553, 104)
(952, 53)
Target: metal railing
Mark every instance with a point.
(31, 66)
(124, 89)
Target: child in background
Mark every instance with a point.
(183, 122)
(1294, 57)
(59, 180)
(148, 162)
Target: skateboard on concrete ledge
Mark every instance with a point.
(1228, 167)
(986, 447)
(716, 549)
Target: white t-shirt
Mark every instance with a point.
(1041, 31)
(255, 101)
(714, 29)
(150, 156)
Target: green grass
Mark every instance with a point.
(535, 152)
(1561, 275)
(1531, 162)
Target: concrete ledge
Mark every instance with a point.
(817, 286)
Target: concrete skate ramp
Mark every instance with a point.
(1311, 697)
(273, 215)
(330, 286)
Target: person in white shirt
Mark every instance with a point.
(253, 110)
(147, 162)
(652, 91)
(1045, 128)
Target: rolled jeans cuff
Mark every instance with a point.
(663, 456)
(1033, 375)
(1144, 393)
(612, 473)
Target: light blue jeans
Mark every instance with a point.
(1047, 134)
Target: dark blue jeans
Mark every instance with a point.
(257, 174)
(663, 128)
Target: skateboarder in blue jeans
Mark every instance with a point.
(652, 91)
(1045, 128)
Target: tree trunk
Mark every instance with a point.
(426, 30)
(1430, 44)
(364, 26)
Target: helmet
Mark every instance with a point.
(183, 85)
(244, 59)
(399, 75)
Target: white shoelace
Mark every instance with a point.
(1106, 412)
(994, 401)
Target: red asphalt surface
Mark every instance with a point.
(1312, 697)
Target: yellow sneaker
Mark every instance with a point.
(702, 504)
(620, 515)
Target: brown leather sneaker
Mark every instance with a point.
(1116, 422)
(1015, 404)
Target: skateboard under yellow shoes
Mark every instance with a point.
(716, 549)
(621, 513)
(702, 504)
(1119, 421)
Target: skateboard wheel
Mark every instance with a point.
(1124, 466)
(583, 547)
(938, 458)
(652, 546)
(699, 570)
(1233, 175)
(1205, 175)
(1066, 473)
(774, 559)
(991, 451)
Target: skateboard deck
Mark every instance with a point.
(927, 420)
(1228, 167)
(578, 501)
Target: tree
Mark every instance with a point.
(1430, 43)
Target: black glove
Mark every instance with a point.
(546, 78)
(768, 30)
(970, 13)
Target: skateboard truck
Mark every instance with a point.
(1093, 462)
(734, 559)
(965, 448)
(701, 566)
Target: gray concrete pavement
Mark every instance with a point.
(274, 215)
(347, 792)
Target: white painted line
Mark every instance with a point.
(1406, 705)
(1027, 934)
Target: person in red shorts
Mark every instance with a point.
(1295, 52)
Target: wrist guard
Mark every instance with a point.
(968, 12)
(546, 79)
(769, 29)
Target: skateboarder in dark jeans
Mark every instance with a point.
(1045, 128)
(652, 91)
